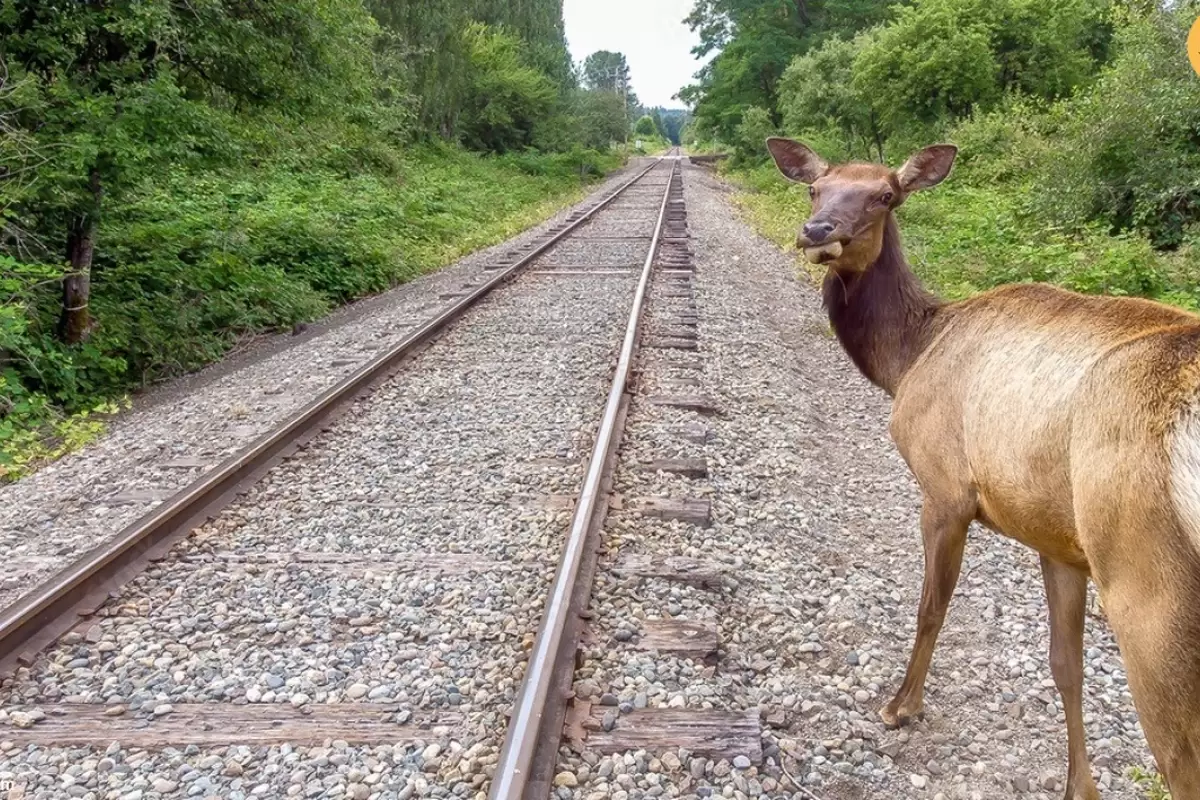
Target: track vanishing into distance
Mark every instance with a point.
(422, 516)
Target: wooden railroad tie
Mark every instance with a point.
(225, 724)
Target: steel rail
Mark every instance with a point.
(50, 609)
(521, 739)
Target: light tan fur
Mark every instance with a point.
(1070, 423)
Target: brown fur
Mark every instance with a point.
(1070, 423)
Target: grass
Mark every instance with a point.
(962, 239)
(1150, 783)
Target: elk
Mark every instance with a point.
(1068, 422)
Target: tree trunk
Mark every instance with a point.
(74, 323)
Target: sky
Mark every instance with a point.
(651, 34)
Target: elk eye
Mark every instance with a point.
(886, 198)
(812, 191)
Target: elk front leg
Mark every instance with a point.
(944, 533)
(1066, 596)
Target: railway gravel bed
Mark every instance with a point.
(184, 429)
(811, 567)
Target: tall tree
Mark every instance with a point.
(607, 71)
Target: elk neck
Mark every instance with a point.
(883, 316)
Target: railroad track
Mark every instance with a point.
(298, 614)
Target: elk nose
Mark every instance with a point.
(816, 232)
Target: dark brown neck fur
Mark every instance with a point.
(883, 317)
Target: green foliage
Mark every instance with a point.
(672, 122)
(34, 427)
(1128, 151)
(607, 71)
(430, 54)
(1151, 784)
(1091, 108)
(645, 126)
(505, 95)
(818, 92)
(599, 118)
(755, 40)
(943, 59)
(751, 135)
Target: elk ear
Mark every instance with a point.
(927, 167)
(796, 161)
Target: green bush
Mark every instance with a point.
(817, 93)
(1151, 783)
(1128, 152)
(750, 141)
(942, 59)
(505, 95)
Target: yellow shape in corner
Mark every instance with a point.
(1193, 46)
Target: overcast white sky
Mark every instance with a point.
(650, 33)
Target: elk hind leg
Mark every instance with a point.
(1066, 596)
(944, 534)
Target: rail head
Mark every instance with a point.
(522, 737)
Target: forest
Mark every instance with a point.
(179, 177)
(1077, 121)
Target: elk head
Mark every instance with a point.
(851, 202)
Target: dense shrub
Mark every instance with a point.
(942, 59)
(818, 93)
(749, 144)
(1128, 151)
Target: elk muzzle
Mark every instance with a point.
(820, 241)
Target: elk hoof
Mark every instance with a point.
(895, 718)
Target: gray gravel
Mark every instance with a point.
(815, 529)
(183, 429)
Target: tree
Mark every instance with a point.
(818, 91)
(645, 126)
(607, 71)
(943, 59)
(118, 89)
(755, 40)
(505, 96)
(1127, 151)
(426, 37)
(600, 118)
(673, 120)
(659, 125)
(752, 133)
